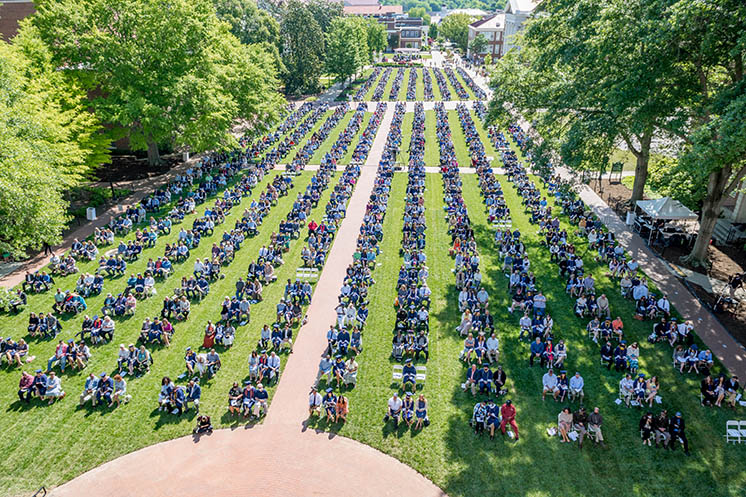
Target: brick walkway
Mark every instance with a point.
(280, 457)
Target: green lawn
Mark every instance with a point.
(353, 87)
(102, 434)
(37, 440)
(466, 87)
(437, 95)
(291, 154)
(462, 149)
(369, 93)
(463, 465)
(406, 136)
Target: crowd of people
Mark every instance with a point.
(215, 171)
(412, 303)
(440, 79)
(396, 84)
(412, 84)
(381, 86)
(478, 91)
(427, 81)
(461, 92)
(306, 152)
(367, 84)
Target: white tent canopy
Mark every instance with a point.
(665, 208)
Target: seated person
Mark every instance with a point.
(394, 409)
(203, 425)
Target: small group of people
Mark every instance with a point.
(664, 430)
(47, 387)
(104, 389)
(249, 401)
(488, 416)
(407, 410)
(175, 398)
(579, 424)
(335, 407)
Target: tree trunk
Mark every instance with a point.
(710, 212)
(641, 168)
(154, 156)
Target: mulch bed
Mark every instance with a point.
(131, 167)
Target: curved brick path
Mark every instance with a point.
(280, 457)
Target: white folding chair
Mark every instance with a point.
(742, 429)
(732, 431)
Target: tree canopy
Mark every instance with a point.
(419, 12)
(455, 28)
(478, 44)
(593, 75)
(48, 142)
(252, 25)
(303, 48)
(164, 72)
(347, 47)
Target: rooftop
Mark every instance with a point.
(495, 21)
(370, 10)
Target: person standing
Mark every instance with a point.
(507, 411)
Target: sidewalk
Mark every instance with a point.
(288, 404)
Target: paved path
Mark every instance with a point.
(280, 457)
(713, 334)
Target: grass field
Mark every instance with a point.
(432, 153)
(32, 435)
(406, 135)
(291, 154)
(352, 88)
(447, 451)
(49, 445)
(327, 145)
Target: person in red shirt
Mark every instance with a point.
(507, 411)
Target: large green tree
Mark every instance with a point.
(455, 28)
(346, 47)
(166, 72)
(377, 40)
(303, 49)
(710, 41)
(478, 44)
(419, 12)
(252, 25)
(591, 75)
(325, 11)
(48, 142)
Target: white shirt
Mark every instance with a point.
(395, 403)
(549, 380)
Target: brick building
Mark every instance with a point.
(11, 12)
